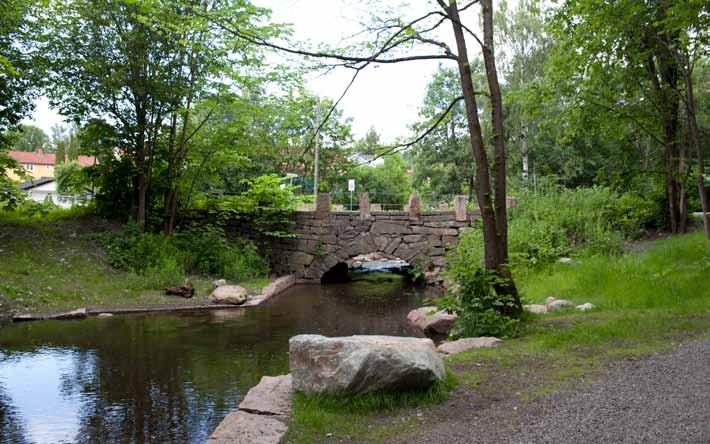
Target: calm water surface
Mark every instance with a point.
(172, 377)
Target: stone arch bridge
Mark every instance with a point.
(326, 239)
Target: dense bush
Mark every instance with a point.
(545, 226)
(478, 307)
(203, 250)
(561, 222)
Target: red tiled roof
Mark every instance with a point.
(86, 160)
(36, 158)
(41, 158)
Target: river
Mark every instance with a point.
(173, 377)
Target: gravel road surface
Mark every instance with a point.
(662, 400)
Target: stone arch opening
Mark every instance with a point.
(340, 272)
(374, 262)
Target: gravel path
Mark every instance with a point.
(662, 400)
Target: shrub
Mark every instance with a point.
(478, 307)
(560, 222)
(196, 250)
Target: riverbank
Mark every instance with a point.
(647, 303)
(57, 265)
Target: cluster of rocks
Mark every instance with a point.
(431, 322)
(434, 323)
(553, 304)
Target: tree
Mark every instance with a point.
(72, 179)
(387, 183)
(144, 66)
(524, 57)
(16, 79)
(393, 34)
(442, 160)
(16, 88)
(619, 58)
(369, 144)
(29, 138)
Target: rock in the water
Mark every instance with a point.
(466, 344)
(79, 313)
(554, 304)
(585, 307)
(104, 315)
(229, 294)
(272, 396)
(535, 308)
(430, 321)
(218, 283)
(360, 364)
(247, 428)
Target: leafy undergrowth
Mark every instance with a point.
(645, 303)
(56, 264)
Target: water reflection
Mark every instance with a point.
(171, 378)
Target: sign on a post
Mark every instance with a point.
(351, 185)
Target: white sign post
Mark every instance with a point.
(351, 188)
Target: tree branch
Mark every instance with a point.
(422, 136)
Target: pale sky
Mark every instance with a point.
(385, 96)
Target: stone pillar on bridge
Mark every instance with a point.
(415, 207)
(364, 204)
(460, 208)
(322, 206)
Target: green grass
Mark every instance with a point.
(325, 418)
(56, 264)
(645, 303)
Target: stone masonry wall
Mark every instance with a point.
(326, 238)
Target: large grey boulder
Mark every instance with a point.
(430, 321)
(359, 364)
(467, 344)
(229, 294)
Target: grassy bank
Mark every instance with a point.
(56, 263)
(646, 303)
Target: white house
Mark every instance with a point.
(45, 189)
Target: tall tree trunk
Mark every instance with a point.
(507, 285)
(494, 220)
(141, 183)
(524, 154)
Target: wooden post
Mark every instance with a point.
(460, 208)
(322, 206)
(415, 210)
(364, 204)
